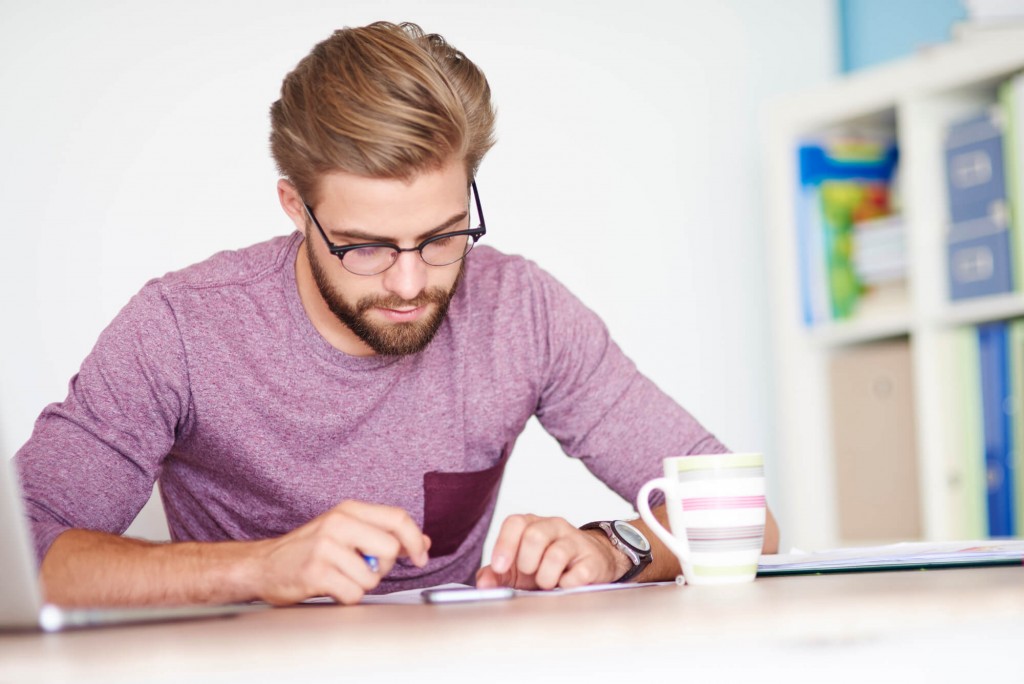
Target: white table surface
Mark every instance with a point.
(938, 625)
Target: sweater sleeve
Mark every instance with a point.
(596, 403)
(92, 459)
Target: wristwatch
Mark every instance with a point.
(629, 541)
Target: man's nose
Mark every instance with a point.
(407, 276)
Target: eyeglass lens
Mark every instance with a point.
(373, 260)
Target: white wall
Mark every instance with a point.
(133, 142)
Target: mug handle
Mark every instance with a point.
(679, 545)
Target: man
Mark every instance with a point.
(329, 413)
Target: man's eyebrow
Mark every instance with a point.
(363, 236)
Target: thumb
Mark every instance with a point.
(486, 578)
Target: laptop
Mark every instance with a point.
(21, 598)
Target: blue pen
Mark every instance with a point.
(371, 561)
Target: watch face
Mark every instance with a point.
(632, 536)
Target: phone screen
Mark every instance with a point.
(467, 594)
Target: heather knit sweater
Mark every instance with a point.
(213, 381)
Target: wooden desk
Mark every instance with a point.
(946, 625)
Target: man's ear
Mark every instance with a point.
(292, 204)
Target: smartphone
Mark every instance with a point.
(467, 594)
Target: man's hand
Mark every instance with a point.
(325, 557)
(544, 553)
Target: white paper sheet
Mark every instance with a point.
(412, 596)
(906, 554)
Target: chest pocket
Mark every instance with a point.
(455, 502)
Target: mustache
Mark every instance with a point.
(433, 296)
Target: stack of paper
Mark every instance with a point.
(907, 555)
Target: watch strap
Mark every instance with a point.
(639, 559)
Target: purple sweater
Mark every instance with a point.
(213, 381)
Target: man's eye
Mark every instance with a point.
(367, 252)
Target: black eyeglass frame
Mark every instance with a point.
(341, 250)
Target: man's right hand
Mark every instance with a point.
(325, 557)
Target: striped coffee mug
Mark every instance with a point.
(716, 508)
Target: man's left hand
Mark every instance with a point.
(544, 553)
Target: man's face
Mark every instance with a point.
(398, 311)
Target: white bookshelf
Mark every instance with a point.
(914, 98)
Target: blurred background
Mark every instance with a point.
(133, 141)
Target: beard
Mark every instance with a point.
(389, 339)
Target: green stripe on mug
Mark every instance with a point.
(719, 461)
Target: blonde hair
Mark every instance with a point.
(382, 101)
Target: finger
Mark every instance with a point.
(557, 557)
(487, 578)
(394, 520)
(580, 573)
(353, 565)
(318, 575)
(538, 536)
(506, 546)
(363, 537)
(342, 589)
(332, 557)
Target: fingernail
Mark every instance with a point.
(499, 563)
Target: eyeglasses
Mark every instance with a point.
(372, 258)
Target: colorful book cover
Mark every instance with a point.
(993, 350)
(844, 203)
(842, 180)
